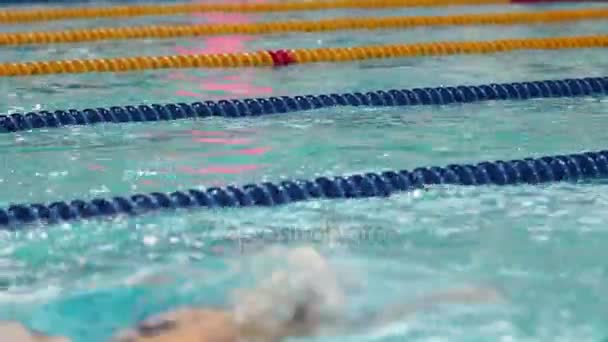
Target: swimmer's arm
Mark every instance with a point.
(15, 332)
(459, 296)
(400, 311)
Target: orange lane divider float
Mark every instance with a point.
(12, 16)
(297, 56)
(365, 23)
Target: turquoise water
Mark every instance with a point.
(542, 246)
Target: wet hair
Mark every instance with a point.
(155, 325)
(301, 314)
(150, 327)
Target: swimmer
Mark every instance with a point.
(304, 298)
(293, 301)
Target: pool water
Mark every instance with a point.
(542, 246)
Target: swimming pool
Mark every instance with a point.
(542, 245)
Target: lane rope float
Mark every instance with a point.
(298, 56)
(335, 24)
(13, 16)
(236, 108)
(573, 167)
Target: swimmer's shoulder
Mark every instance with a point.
(184, 325)
(16, 332)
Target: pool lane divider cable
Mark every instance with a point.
(325, 25)
(238, 108)
(573, 167)
(14, 16)
(281, 58)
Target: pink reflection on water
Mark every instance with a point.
(241, 83)
(233, 169)
(181, 76)
(218, 44)
(148, 182)
(188, 93)
(238, 88)
(196, 132)
(256, 151)
(222, 141)
(96, 167)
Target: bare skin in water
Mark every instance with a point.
(302, 299)
(15, 332)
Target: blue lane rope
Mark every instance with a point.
(285, 104)
(571, 167)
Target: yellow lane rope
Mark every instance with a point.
(30, 15)
(298, 56)
(369, 23)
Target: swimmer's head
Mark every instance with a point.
(294, 300)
